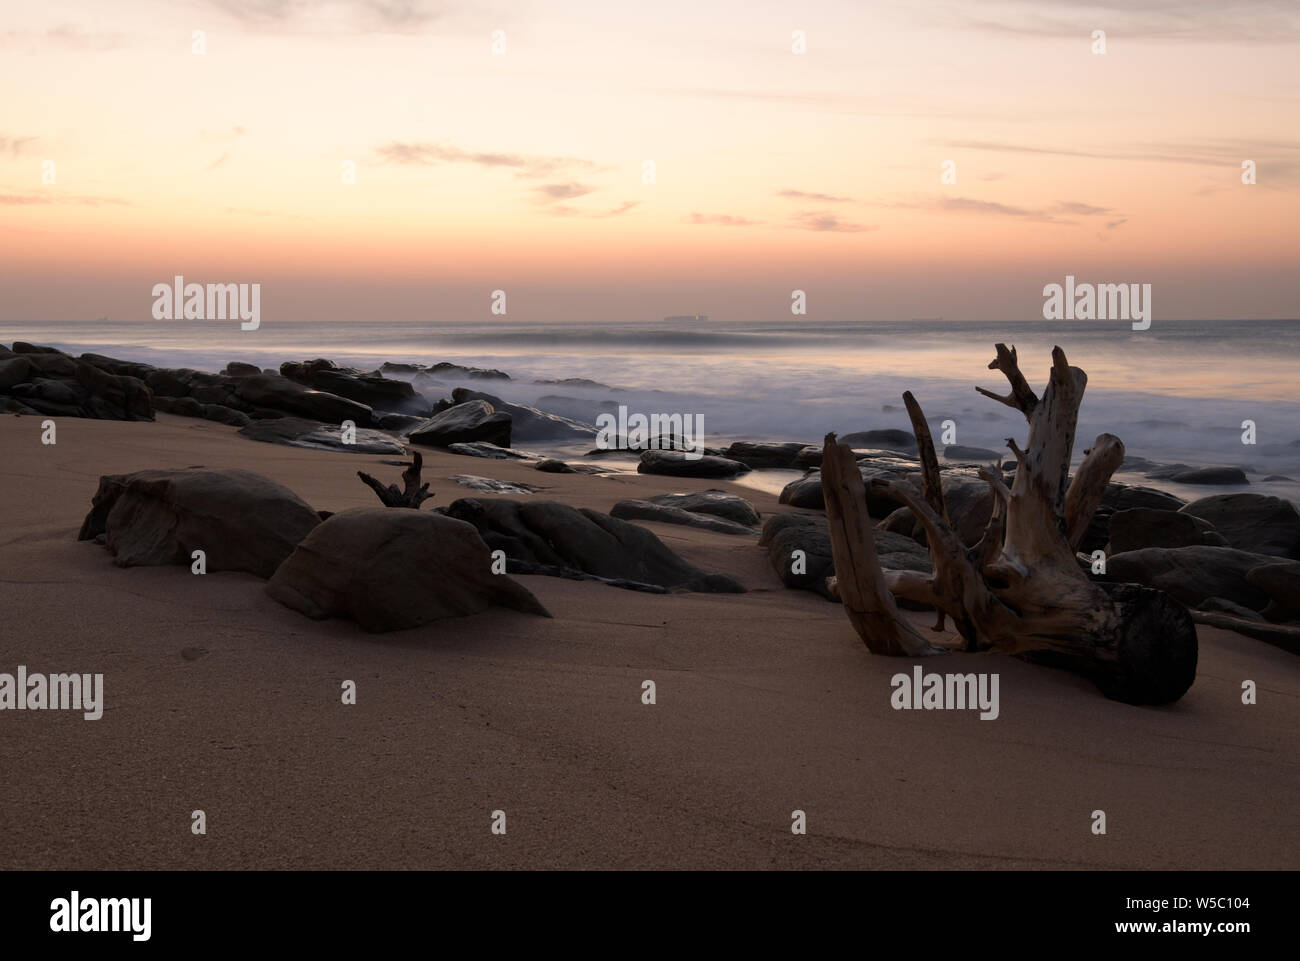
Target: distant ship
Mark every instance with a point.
(687, 319)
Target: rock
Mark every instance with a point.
(180, 406)
(1279, 477)
(300, 432)
(490, 486)
(783, 534)
(553, 538)
(528, 423)
(238, 369)
(374, 390)
(456, 371)
(1192, 574)
(730, 507)
(51, 382)
(127, 368)
(1122, 497)
(242, 521)
(475, 420)
(225, 415)
(891, 438)
(552, 466)
(14, 371)
(1211, 475)
(678, 464)
(1228, 607)
(1140, 527)
(281, 393)
(639, 510)
(1287, 638)
(765, 456)
(1252, 522)
(1281, 583)
(391, 569)
(806, 492)
(489, 451)
(981, 455)
(400, 423)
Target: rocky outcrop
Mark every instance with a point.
(528, 424)
(1140, 527)
(472, 421)
(1252, 522)
(299, 432)
(548, 537)
(241, 521)
(47, 381)
(372, 389)
(281, 393)
(1193, 574)
(390, 570)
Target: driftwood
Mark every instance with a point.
(412, 495)
(1021, 589)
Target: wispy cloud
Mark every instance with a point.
(720, 220)
(523, 165)
(562, 210)
(551, 192)
(15, 145)
(53, 196)
(65, 36)
(803, 195)
(824, 222)
(366, 16)
(219, 162)
(1081, 210)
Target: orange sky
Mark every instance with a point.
(523, 170)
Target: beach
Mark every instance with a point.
(219, 699)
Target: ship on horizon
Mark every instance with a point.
(687, 319)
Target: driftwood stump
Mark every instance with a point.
(412, 495)
(1020, 590)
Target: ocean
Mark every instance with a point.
(1176, 393)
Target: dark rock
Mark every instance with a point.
(1228, 607)
(237, 369)
(980, 455)
(639, 510)
(1192, 574)
(456, 371)
(389, 570)
(550, 537)
(679, 464)
(402, 423)
(225, 415)
(489, 451)
(890, 437)
(1252, 522)
(1212, 475)
(528, 424)
(281, 393)
(374, 390)
(1140, 527)
(1122, 497)
(490, 486)
(300, 432)
(764, 456)
(180, 406)
(14, 371)
(475, 420)
(783, 534)
(730, 507)
(242, 521)
(1281, 583)
(552, 466)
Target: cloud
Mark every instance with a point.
(561, 210)
(364, 16)
(801, 195)
(524, 165)
(1082, 210)
(824, 222)
(720, 220)
(550, 192)
(14, 145)
(219, 162)
(53, 196)
(65, 36)
(1115, 223)
(1240, 22)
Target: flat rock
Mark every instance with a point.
(639, 510)
(1141, 527)
(489, 451)
(299, 432)
(281, 393)
(528, 423)
(472, 421)
(891, 438)
(242, 521)
(1211, 475)
(678, 464)
(390, 569)
(765, 456)
(490, 486)
(1193, 574)
(1252, 522)
(548, 537)
(730, 507)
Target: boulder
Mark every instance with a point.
(639, 510)
(806, 492)
(730, 507)
(474, 420)
(281, 393)
(1140, 527)
(528, 424)
(980, 455)
(225, 415)
(783, 534)
(1122, 497)
(14, 371)
(1211, 475)
(679, 464)
(1252, 522)
(489, 451)
(1193, 574)
(1281, 583)
(553, 538)
(237, 369)
(300, 432)
(891, 438)
(242, 521)
(372, 389)
(765, 456)
(393, 569)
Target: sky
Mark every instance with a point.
(524, 167)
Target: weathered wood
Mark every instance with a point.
(1020, 590)
(412, 495)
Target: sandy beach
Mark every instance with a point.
(219, 699)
